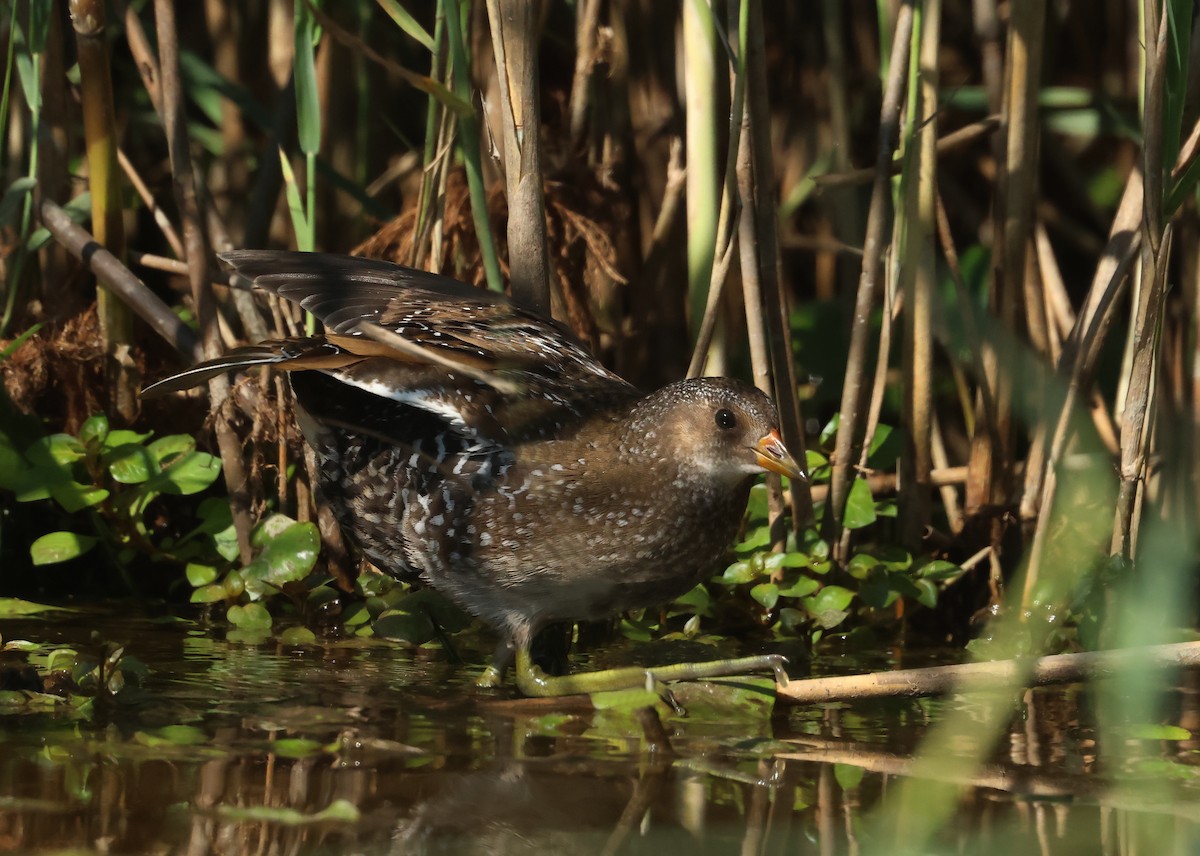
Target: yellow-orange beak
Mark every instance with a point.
(771, 454)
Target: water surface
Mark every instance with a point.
(371, 748)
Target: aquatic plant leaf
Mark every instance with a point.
(251, 616)
(828, 607)
(172, 735)
(298, 636)
(698, 600)
(939, 570)
(191, 473)
(927, 592)
(55, 547)
(860, 506)
(123, 437)
(415, 628)
(766, 594)
(94, 430)
(741, 572)
(200, 575)
(14, 607)
(885, 448)
(130, 463)
(291, 554)
(802, 586)
(172, 446)
(775, 561)
(208, 594)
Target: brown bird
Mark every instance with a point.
(476, 445)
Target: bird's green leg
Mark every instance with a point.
(532, 681)
(493, 675)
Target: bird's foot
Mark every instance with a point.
(532, 681)
(491, 678)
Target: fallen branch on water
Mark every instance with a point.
(977, 677)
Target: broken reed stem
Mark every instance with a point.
(986, 677)
(113, 273)
(514, 26)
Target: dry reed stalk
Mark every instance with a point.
(196, 247)
(100, 132)
(855, 387)
(918, 282)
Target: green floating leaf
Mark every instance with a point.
(251, 616)
(172, 735)
(298, 636)
(56, 547)
(61, 660)
(13, 607)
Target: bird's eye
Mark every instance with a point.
(725, 419)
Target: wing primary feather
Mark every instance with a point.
(429, 355)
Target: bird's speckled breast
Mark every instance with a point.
(553, 544)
